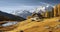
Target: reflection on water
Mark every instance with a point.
(9, 23)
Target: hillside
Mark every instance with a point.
(7, 17)
(41, 26)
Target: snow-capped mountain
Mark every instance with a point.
(24, 14)
(48, 8)
(43, 9)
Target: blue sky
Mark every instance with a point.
(11, 5)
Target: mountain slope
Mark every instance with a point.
(6, 16)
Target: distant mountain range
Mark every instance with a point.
(24, 14)
(40, 9)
